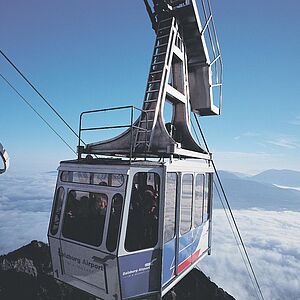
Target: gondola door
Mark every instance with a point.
(140, 246)
(84, 264)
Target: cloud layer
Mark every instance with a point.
(25, 205)
(272, 239)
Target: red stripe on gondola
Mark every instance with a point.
(187, 262)
(195, 255)
(184, 264)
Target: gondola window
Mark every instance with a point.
(206, 198)
(84, 217)
(170, 207)
(142, 226)
(199, 196)
(186, 203)
(103, 179)
(57, 210)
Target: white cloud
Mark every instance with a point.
(25, 204)
(272, 240)
(248, 134)
(296, 121)
(285, 142)
(18, 228)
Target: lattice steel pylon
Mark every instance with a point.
(185, 70)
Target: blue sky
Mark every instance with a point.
(93, 54)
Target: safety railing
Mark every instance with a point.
(214, 52)
(179, 3)
(212, 43)
(132, 125)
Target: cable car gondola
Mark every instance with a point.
(4, 160)
(133, 222)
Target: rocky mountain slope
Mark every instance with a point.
(26, 273)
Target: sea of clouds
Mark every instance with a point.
(25, 205)
(272, 238)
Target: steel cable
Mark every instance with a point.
(230, 210)
(43, 119)
(40, 95)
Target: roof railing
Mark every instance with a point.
(215, 56)
(131, 125)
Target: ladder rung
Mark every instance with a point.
(165, 20)
(155, 72)
(164, 28)
(158, 63)
(144, 121)
(154, 81)
(161, 45)
(152, 91)
(162, 36)
(150, 101)
(159, 54)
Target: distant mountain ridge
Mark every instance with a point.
(284, 177)
(253, 192)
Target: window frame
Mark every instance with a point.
(120, 222)
(91, 178)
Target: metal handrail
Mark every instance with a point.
(214, 43)
(131, 125)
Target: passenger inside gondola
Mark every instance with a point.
(142, 227)
(85, 217)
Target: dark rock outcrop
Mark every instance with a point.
(196, 286)
(26, 273)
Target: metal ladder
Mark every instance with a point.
(155, 85)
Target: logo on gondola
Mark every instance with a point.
(84, 262)
(141, 270)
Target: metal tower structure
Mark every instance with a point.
(186, 71)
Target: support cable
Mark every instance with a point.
(228, 219)
(230, 211)
(40, 116)
(231, 227)
(236, 240)
(40, 95)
